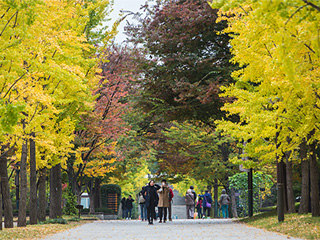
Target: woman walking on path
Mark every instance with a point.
(224, 201)
(189, 204)
(207, 200)
(151, 197)
(199, 207)
(123, 208)
(163, 204)
(143, 208)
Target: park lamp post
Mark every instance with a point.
(250, 184)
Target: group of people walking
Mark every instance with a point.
(126, 206)
(153, 195)
(203, 205)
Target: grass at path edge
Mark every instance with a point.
(39, 231)
(295, 225)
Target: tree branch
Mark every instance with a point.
(312, 5)
(15, 82)
(4, 28)
(295, 13)
(5, 13)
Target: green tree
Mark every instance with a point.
(261, 184)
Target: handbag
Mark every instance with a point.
(141, 199)
(208, 205)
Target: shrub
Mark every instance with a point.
(105, 210)
(71, 203)
(74, 219)
(55, 221)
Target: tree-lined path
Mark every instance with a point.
(217, 229)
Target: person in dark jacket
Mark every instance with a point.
(151, 197)
(129, 207)
(142, 203)
(206, 199)
(123, 207)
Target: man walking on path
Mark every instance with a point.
(124, 207)
(189, 204)
(129, 207)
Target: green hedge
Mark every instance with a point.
(105, 210)
(110, 188)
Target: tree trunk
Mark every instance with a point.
(290, 194)
(285, 186)
(33, 182)
(97, 196)
(0, 206)
(71, 175)
(78, 192)
(7, 203)
(91, 208)
(22, 221)
(233, 204)
(305, 184)
(55, 192)
(91, 193)
(314, 181)
(42, 195)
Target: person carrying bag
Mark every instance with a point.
(207, 200)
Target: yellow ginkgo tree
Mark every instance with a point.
(48, 68)
(276, 94)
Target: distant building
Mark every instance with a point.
(85, 201)
(178, 206)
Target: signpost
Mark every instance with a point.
(113, 202)
(79, 208)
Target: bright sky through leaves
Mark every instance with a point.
(126, 5)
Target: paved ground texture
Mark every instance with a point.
(217, 229)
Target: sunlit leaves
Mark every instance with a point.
(277, 91)
(47, 67)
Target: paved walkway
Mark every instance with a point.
(217, 229)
